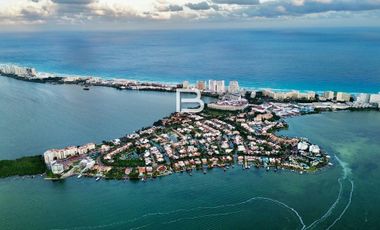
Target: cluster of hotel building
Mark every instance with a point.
(362, 98)
(51, 156)
(214, 86)
(17, 70)
(219, 87)
(311, 95)
(292, 95)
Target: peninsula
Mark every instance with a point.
(187, 142)
(239, 129)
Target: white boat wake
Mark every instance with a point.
(329, 212)
(346, 172)
(202, 216)
(345, 209)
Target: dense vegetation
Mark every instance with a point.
(115, 173)
(23, 166)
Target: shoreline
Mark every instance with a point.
(84, 82)
(137, 84)
(105, 160)
(198, 170)
(118, 84)
(42, 175)
(48, 176)
(267, 116)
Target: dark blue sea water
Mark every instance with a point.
(308, 59)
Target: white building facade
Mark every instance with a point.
(56, 154)
(362, 98)
(328, 95)
(233, 87)
(343, 97)
(375, 98)
(216, 86)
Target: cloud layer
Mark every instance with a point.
(83, 11)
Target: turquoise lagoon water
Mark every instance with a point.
(241, 199)
(36, 117)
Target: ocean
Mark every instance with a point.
(35, 117)
(344, 59)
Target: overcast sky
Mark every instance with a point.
(134, 14)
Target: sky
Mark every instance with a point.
(159, 14)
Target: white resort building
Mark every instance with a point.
(52, 155)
